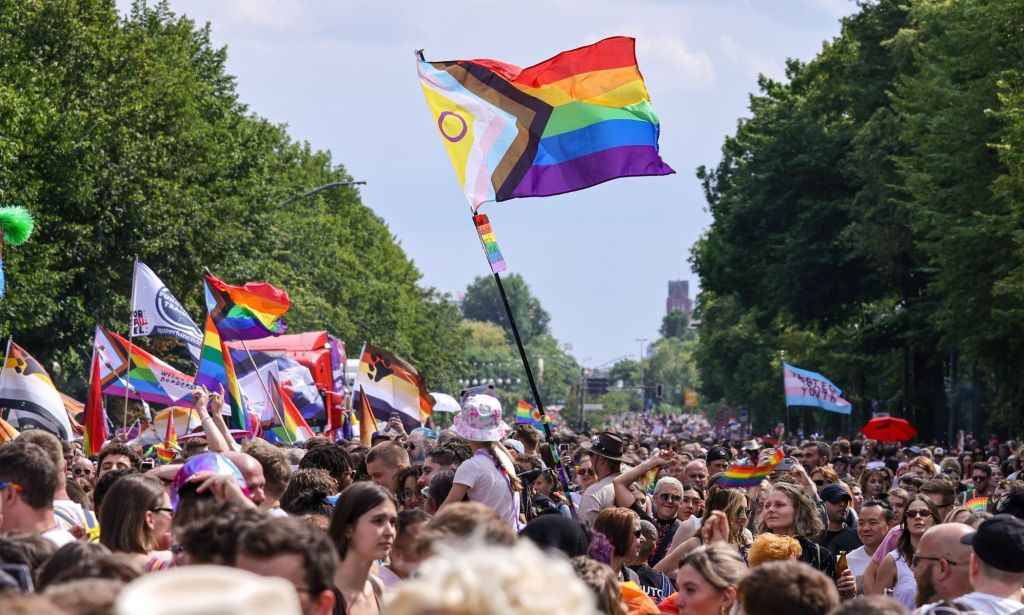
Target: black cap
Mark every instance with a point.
(718, 452)
(999, 542)
(833, 493)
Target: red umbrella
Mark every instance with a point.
(889, 429)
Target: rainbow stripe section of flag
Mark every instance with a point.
(570, 122)
(807, 388)
(749, 476)
(148, 379)
(390, 385)
(251, 311)
(94, 420)
(216, 371)
(529, 414)
(295, 429)
(490, 244)
(978, 504)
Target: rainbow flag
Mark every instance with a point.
(979, 504)
(576, 120)
(168, 450)
(94, 419)
(489, 243)
(749, 476)
(216, 371)
(529, 414)
(247, 312)
(148, 378)
(295, 429)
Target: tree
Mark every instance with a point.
(483, 302)
(677, 324)
(126, 137)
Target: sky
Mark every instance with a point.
(341, 75)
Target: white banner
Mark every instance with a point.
(156, 311)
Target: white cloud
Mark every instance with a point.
(752, 61)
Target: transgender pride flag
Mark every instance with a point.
(806, 388)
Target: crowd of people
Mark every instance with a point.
(487, 517)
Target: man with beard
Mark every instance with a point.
(941, 564)
(837, 536)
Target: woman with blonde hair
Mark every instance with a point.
(488, 477)
(735, 505)
(707, 580)
(788, 511)
(493, 579)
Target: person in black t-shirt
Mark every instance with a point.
(837, 535)
(655, 584)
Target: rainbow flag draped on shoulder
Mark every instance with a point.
(576, 120)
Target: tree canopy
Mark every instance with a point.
(126, 137)
(866, 222)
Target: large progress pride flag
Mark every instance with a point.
(579, 119)
(807, 388)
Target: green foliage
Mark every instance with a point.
(677, 324)
(483, 302)
(126, 137)
(867, 222)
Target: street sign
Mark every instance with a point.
(691, 398)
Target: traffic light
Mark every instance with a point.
(657, 391)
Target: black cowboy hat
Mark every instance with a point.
(606, 444)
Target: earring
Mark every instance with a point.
(722, 610)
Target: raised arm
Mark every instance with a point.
(214, 437)
(623, 497)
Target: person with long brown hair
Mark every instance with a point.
(136, 517)
(363, 530)
(488, 477)
(896, 572)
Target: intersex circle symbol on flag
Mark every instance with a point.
(444, 133)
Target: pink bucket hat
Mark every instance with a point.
(480, 420)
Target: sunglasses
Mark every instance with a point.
(978, 477)
(81, 471)
(584, 471)
(409, 446)
(638, 533)
(169, 511)
(920, 512)
(819, 482)
(666, 497)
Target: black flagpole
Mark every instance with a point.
(562, 474)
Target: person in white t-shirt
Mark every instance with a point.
(28, 478)
(996, 568)
(875, 517)
(488, 477)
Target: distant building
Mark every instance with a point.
(679, 297)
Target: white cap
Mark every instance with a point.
(204, 590)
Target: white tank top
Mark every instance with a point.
(906, 586)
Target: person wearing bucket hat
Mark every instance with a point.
(606, 454)
(489, 476)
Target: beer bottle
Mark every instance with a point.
(841, 565)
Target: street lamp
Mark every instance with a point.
(320, 189)
(643, 344)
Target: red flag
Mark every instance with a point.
(94, 419)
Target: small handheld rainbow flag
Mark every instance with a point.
(529, 414)
(749, 476)
(979, 504)
(168, 449)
